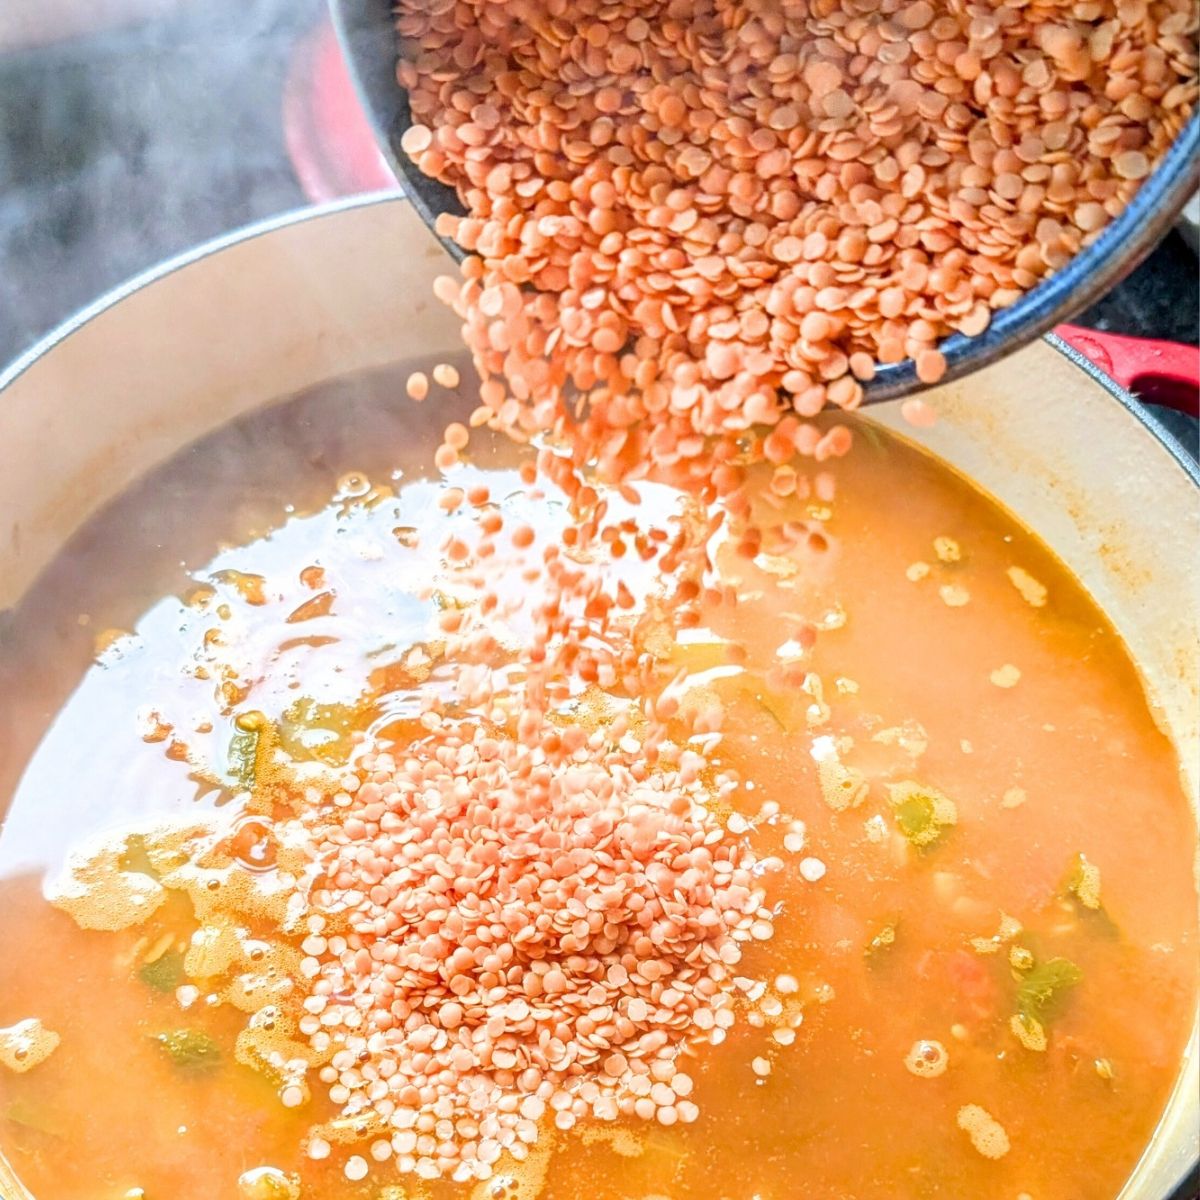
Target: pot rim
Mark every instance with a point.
(176, 262)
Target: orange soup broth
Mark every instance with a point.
(1067, 760)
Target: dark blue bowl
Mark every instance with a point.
(368, 42)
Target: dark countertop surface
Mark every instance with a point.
(122, 148)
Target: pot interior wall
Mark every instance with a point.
(284, 309)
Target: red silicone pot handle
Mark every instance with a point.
(1166, 373)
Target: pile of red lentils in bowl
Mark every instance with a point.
(687, 219)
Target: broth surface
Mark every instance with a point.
(1030, 718)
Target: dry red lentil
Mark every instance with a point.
(699, 216)
(445, 375)
(417, 386)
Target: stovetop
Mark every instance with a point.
(125, 147)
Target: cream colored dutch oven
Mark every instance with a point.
(307, 300)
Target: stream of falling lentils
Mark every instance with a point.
(690, 230)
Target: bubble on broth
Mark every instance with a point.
(923, 813)
(520, 1178)
(96, 890)
(1084, 882)
(214, 948)
(268, 1183)
(927, 1059)
(910, 737)
(622, 1141)
(842, 787)
(986, 1133)
(1029, 1031)
(1009, 928)
(219, 886)
(352, 486)
(268, 1045)
(253, 845)
(26, 1045)
(1033, 592)
(270, 981)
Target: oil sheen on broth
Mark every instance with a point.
(970, 990)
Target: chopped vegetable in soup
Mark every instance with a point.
(879, 925)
